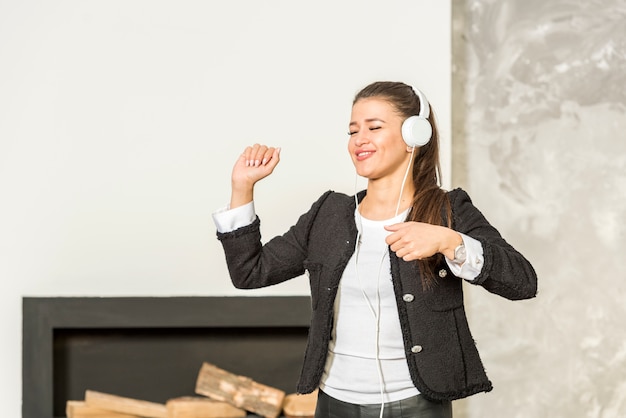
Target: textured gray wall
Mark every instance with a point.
(539, 122)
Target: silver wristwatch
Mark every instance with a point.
(459, 254)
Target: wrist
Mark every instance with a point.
(241, 196)
(451, 244)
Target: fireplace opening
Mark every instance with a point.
(160, 364)
(152, 348)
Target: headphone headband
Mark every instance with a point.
(417, 130)
(424, 106)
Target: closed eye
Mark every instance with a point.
(372, 128)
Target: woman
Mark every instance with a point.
(388, 335)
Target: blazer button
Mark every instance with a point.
(443, 273)
(416, 349)
(408, 297)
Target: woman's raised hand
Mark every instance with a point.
(254, 164)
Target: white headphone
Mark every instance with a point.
(417, 130)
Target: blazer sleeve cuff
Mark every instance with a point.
(228, 220)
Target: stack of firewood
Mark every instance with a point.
(223, 395)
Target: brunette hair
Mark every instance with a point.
(430, 201)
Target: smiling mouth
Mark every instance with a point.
(363, 154)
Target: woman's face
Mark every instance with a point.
(376, 145)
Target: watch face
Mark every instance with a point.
(459, 253)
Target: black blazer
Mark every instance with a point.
(442, 358)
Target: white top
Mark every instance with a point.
(359, 342)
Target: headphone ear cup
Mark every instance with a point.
(416, 131)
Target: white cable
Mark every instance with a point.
(406, 174)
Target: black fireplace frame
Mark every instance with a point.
(42, 316)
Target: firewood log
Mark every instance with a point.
(125, 405)
(197, 407)
(239, 391)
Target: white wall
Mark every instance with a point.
(120, 121)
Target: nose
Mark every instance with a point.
(360, 138)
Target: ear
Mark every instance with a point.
(409, 149)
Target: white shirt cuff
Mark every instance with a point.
(227, 219)
(473, 264)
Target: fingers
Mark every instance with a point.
(255, 163)
(274, 159)
(394, 227)
(410, 240)
(398, 234)
(403, 247)
(259, 155)
(410, 253)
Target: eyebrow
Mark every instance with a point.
(368, 120)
